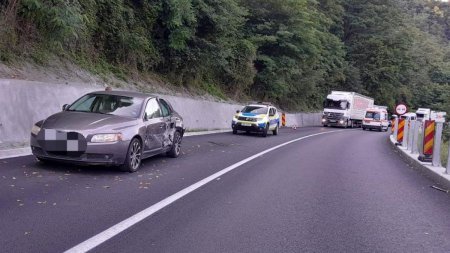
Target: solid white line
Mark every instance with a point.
(127, 223)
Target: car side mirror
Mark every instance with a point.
(145, 116)
(65, 107)
(237, 111)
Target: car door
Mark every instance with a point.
(155, 125)
(272, 118)
(169, 128)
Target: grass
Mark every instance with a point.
(213, 90)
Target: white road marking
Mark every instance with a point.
(129, 222)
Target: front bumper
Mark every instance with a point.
(95, 154)
(372, 127)
(330, 122)
(248, 126)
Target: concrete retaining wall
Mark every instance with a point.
(22, 103)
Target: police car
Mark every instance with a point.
(260, 117)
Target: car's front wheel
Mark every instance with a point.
(265, 131)
(275, 132)
(133, 158)
(175, 150)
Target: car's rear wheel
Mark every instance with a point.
(234, 131)
(265, 131)
(175, 150)
(275, 132)
(133, 158)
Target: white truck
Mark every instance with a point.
(345, 109)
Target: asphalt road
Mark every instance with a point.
(345, 191)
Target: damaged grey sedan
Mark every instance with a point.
(109, 128)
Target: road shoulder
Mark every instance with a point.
(437, 174)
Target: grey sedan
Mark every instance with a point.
(109, 128)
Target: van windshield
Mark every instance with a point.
(373, 115)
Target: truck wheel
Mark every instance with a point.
(346, 124)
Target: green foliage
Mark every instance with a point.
(291, 52)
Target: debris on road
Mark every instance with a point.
(439, 189)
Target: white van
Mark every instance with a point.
(423, 114)
(409, 116)
(376, 118)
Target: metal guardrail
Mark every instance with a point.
(413, 141)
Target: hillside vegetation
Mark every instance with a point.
(291, 52)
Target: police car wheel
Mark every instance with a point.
(265, 131)
(275, 132)
(234, 131)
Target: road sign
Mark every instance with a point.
(401, 109)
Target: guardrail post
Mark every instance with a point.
(447, 170)
(400, 132)
(405, 134)
(426, 154)
(395, 129)
(437, 145)
(411, 134)
(415, 141)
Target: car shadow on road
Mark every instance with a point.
(95, 170)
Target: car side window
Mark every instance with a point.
(165, 108)
(271, 112)
(152, 109)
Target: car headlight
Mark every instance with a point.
(106, 138)
(35, 130)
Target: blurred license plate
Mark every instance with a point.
(332, 121)
(246, 124)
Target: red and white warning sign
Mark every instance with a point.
(401, 109)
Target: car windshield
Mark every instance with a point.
(255, 110)
(333, 104)
(373, 115)
(108, 104)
